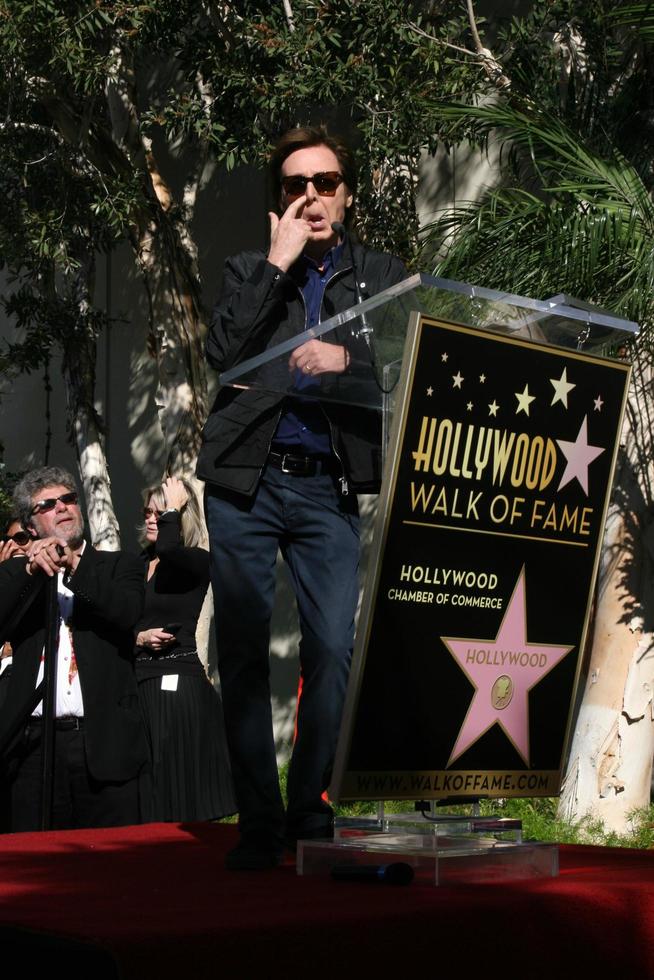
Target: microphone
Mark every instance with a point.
(339, 228)
(397, 873)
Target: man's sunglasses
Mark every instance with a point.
(20, 537)
(42, 506)
(326, 183)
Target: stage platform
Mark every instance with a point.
(155, 901)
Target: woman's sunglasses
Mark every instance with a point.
(20, 537)
(326, 183)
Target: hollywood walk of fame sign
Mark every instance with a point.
(486, 550)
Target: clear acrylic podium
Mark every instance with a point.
(381, 322)
(439, 848)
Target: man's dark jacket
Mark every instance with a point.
(108, 588)
(260, 307)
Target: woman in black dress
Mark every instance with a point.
(190, 777)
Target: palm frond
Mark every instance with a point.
(515, 241)
(561, 160)
(584, 225)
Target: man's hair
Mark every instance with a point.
(35, 481)
(304, 136)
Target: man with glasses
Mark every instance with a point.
(99, 740)
(283, 474)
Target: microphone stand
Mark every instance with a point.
(365, 330)
(49, 700)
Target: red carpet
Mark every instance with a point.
(159, 901)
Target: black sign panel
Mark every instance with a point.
(487, 545)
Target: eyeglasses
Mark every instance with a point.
(42, 506)
(20, 537)
(326, 183)
(151, 512)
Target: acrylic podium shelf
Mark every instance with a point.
(445, 850)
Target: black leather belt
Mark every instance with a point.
(69, 723)
(302, 465)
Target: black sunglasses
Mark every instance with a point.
(42, 506)
(326, 183)
(20, 537)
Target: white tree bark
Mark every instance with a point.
(610, 765)
(102, 522)
(84, 423)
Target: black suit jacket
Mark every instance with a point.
(108, 588)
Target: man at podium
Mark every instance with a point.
(283, 473)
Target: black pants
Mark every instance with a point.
(79, 800)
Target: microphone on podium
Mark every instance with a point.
(365, 330)
(397, 873)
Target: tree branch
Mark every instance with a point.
(288, 13)
(483, 55)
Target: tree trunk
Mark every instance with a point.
(167, 259)
(85, 425)
(176, 339)
(610, 765)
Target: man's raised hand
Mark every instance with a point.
(288, 235)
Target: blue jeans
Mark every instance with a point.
(317, 531)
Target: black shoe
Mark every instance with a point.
(254, 854)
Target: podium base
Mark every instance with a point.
(451, 850)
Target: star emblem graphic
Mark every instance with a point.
(503, 672)
(598, 403)
(457, 380)
(493, 407)
(579, 455)
(482, 379)
(469, 406)
(430, 391)
(524, 400)
(562, 388)
(444, 357)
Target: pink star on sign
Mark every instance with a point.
(579, 456)
(503, 672)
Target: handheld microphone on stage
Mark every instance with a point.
(365, 330)
(397, 873)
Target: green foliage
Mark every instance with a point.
(8, 481)
(573, 212)
(96, 95)
(540, 822)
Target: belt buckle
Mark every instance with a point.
(288, 467)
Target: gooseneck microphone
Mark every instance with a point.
(365, 330)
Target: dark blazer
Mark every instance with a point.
(108, 588)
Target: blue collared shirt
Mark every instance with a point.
(303, 426)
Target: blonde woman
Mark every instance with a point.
(189, 778)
